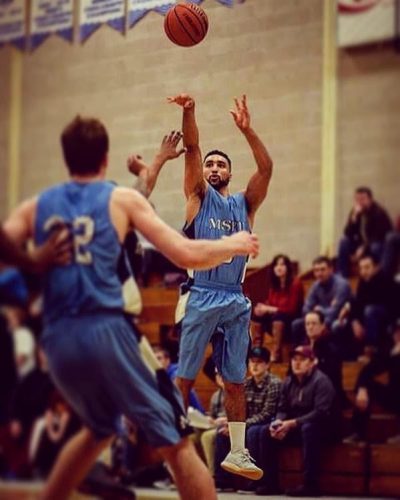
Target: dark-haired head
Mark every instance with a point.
(85, 146)
(277, 272)
(365, 190)
(220, 153)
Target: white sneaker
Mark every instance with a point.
(241, 463)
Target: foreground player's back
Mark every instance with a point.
(90, 283)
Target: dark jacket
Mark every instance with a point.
(369, 227)
(379, 290)
(308, 401)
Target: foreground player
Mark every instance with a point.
(93, 356)
(216, 309)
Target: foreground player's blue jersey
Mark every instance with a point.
(90, 283)
(218, 217)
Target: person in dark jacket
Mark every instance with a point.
(373, 307)
(326, 351)
(366, 229)
(305, 416)
(368, 390)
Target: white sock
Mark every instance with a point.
(237, 433)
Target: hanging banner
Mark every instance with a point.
(365, 21)
(94, 13)
(50, 17)
(139, 8)
(13, 23)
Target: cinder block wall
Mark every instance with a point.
(270, 49)
(369, 126)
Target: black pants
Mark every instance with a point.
(385, 397)
(310, 437)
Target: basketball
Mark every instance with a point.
(186, 24)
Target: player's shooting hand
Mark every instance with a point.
(248, 243)
(136, 164)
(169, 146)
(57, 250)
(184, 100)
(241, 114)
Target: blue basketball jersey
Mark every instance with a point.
(220, 216)
(90, 283)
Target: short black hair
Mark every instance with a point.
(85, 144)
(320, 315)
(220, 153)
(365, 190)
(322, 259)
(369, 255)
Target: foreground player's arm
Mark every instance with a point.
(18, 229)
(195, 185)
(257, 187)
(131, 209)
(147, 174)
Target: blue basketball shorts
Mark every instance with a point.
(95, 361)
(221, 317)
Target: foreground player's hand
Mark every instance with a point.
(241, 114)
(57, 250)
(169, 146)
(184, 100)
(136, 164)
(248, 243)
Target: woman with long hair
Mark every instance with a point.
(283, 303)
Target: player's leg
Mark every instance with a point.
(72, 465)
(198, 325)
(191, 475)
(230, 356)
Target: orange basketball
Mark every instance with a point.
(186, 24)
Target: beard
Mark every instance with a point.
(218, 183)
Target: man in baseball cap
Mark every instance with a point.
(305, 417)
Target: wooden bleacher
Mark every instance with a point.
(346, 469)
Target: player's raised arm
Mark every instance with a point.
(195, 184)
(184, 252)
(258, 184)
(147, 174)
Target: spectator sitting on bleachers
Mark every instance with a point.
(262, 391)
(217, 416)
(391, 253)
(373, 307)
(367, 226)
(327, 354)
(369, 390)
(305, 417)
(164, 359)
(328, 294)
(8, 371)
(282, 305)
(24, 341)
(50, 432)
(31, 400)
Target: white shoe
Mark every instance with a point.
(241, 463)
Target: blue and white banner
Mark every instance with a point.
(51, 17)
(94, 13)
(13, 23)
(139, 8)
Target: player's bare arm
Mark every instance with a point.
(18, 229)
(194, 185)
(147, 174)
(257, 187)
(129, 209)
